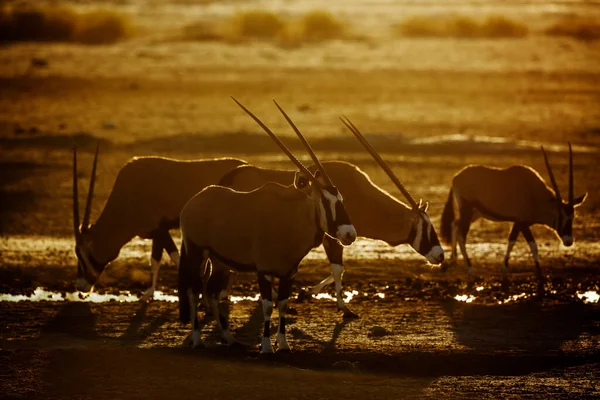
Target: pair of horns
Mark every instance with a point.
(283, 147)
(88, 204)
(380, 161)
(554, 185)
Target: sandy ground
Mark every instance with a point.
(431, 106)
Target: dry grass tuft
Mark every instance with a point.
(61, 24)
(315, 26)
(494, 26)
(253, 24)
(580, 29)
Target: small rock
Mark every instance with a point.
(39, 62)
(108, 125)
(33, 130)
(378, 331)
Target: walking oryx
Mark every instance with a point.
(268, 230)
(374, 212)
(517, 194)
(145, 201)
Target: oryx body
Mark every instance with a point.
(373, 211)
(268, 230)
(145, 201)
(516, 194)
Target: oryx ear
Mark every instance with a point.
(301, 182)
(579, 200)
(320, 178)
(423, 206)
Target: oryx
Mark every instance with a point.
(374, 212)
(145, 201)
(268, 230)
(516, 194)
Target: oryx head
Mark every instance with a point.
(565, 210)
(332, 215)
(88, 269)
(422, 236)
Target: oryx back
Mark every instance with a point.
(265, 229)
(517, 193)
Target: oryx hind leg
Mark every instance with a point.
(534, 250)
(460, 229)
(265, 285)
(189, 276)
(285, 287)
(217, 289)
(512, 239)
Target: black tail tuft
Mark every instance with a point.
(183, 285)
(447, 219)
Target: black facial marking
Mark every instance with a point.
(83, 271)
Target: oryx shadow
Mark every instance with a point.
(532, 327)
(74, 319)
(136, 332)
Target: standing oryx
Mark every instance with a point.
(145, 201)
(374, 212)
(517, 194)
(268, 230)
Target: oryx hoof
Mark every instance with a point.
(447, 264)
(292, 311)
(148, 295)
(349, 314)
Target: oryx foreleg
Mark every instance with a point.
(512, 239)
(264, 286)
(158, 245)
(171, 249)
(533, 247)
(285, 287)
(335, 251)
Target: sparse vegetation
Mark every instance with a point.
(314, 26)
(61, 24)
(580, 29)
(494, 26)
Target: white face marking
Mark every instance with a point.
(332, 200)
(435, 255)
(417, 241)
(346, 234)
(429, 226)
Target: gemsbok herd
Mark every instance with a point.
(237, 216)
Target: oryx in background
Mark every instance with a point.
(517, 194)
(268, 230)
(145, 201)
(375, 213)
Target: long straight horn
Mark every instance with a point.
(75, 196)
(380, 161)
(283, 147)
(88, 204)
(552, 180)
(306, 145)
(571, 189)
